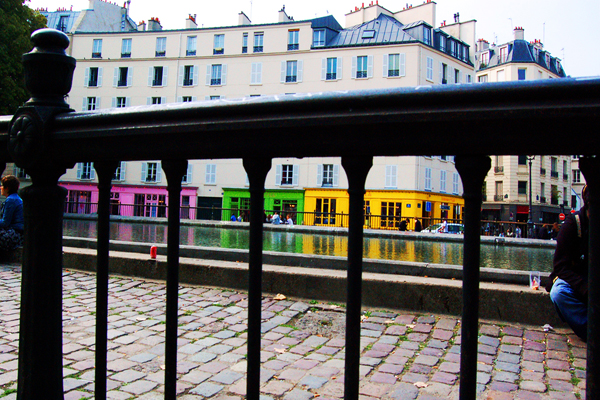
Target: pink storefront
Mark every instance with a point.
(128, 200)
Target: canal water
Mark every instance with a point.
(436, 252)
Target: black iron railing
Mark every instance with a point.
(45, 138)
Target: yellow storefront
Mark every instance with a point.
(384, 209)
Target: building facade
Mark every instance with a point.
(377, 49)
(507, 185)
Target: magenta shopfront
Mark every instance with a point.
(128, 200)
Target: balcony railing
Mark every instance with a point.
(499, 169)
(498, 197)
(46, 137)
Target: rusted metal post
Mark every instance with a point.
(48, 76)
(472, 170)
(590, 167)
(105, 171)
(174, 169)
(257, 169)
(357, 169)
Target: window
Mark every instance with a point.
(187, 99)
(443, 43)
(20, 173)
(469, 78)
(157, 76)
(90, 104)
(319, 38)
(211, 174)
(332, 69)
(291, 71)
(500, 76)
(443, 181)
(123, 77)
(287, 175)
(484, 59)
(391, 176)
(97, 48)
(522, 72)
(427, 35)
(522, 187)
(245, 43)
(456, 76)
(391, 213)
(452, 45)
(215, 74)
(362, 67)
(576, 176)
(151, 172)
(187, 178)
(455, 182)
(62, 23)
(219, 44)
(554, 164)
(189, 75)
(394, 65)
(325, 211)
(522, 160)
(443, 73)
(293, 35)
(429, 69)
(191, 46)
(327, 175)
(93, 77)
(503, 54)
(428, 179)
(155, 100)
(161, 47)
(258, 42)
(214, 97)
(369, 34)
(482, 78)
(256, 74)
(499, 194)
(120, 102)
(120, 172)
(85, 171)
(126, 48)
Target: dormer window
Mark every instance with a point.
(536, 54)
(427, 35)
(503, 54)
(319, 38)
(443, 43)
(548, 61)
(368, 34)
(484, 59)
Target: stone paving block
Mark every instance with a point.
(483, 378)
(227, 377)
(420, 369)
(561, 386)
(404, 319)
(502, 376)
(203, 357)
(557, 345)
(450, 367)
(412, 377)
(77, 395)
(369, 361)
(557, 355)
(508, 358)
(207, 389)
(395, 369)
(370, 333)
(558, 365)
(128, 376)
(313, 382)
(417, 337)
(538, 387)
(507, 348)
(512, 340)
(534, 335)
(532, 376)
(508, 367)
(489, 341)
(297, 394)
(445, 378)
(195, 377)
(72, 383)
(559, 375)
(292, 374)
(533, 366)
(373, 389)
(512, 331)
(213, 367)
(530, 345)
(422, 328)
(426, 319)
(404, 391)
(379, 377)
(119, 365)
(305, 364)
(139, 387)
(276, 387)
(490, 330)
(485, 349)
(442, 334)
(534, 356)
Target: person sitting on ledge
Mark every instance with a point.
(568, 283)
(12, 222)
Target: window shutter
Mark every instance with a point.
(84, 106)
(300, 70)
(129, 76)
(165, 75)
(79, 170)
(100, 77)
(97, 103)
(336, 175)
(459, 76)
(116, 77)
(188, 178)
(92, 171)
(207, 97)
(158, 172)
(253, 73)
(295, 175)
(441, 72)
(86, 77)
(127, 101)
(149, 101)
(354, 63)
(402, 64)
(283, 64)
(259, 73)
(320, 175)
(114, 102)
(207, 179)
(224, 74)
(339, 68)
(123, 168)
(194, 98)
(278, 175)
(196, 69)
(150, 75)
(144, 171)
(180, 77)
(208, 71)
(394, 176)
(386, 58)
(179, 99)
(163, 100)
(369, 66)
(323, 69)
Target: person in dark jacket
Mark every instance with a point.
(12, 222)
(403, 225)
(418, 226)
(568, 283)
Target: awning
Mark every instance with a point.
(522, 209)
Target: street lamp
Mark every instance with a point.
(530, 221)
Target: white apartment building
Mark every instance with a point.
(377, 48)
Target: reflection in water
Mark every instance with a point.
(288, 241)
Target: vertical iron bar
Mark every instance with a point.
(105, 171)
(357, 169)
(40, 331)
(257, 169)
(472, 170)
(590, 167)
(174, 170)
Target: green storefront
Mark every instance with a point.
(284, 201)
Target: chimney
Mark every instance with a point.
(283, 17)
(142, 26)
(243, 19)
(154, 24)
(482, 45)
(190, 23)
(519, 33)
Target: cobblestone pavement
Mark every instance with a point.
(405, 356)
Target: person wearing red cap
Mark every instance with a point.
(568, 284)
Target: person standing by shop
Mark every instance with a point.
(12, 222)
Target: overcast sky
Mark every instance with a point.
(567, 28)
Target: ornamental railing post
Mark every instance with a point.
(48, 76)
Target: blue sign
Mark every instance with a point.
(428, 206)
(408, 206)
